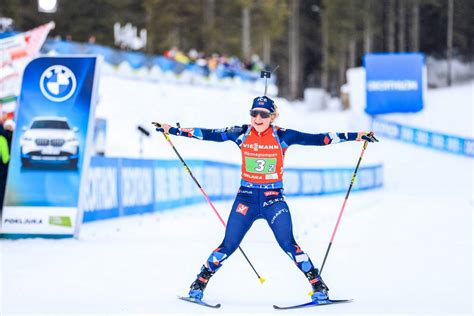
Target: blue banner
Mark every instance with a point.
(119, 186)
(394, 82)
(430, 139)
(50, 149)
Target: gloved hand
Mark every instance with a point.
(367, 136)
(165, 128)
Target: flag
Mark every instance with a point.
(27, 44)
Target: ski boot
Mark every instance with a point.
(320, 290)
(196, 290)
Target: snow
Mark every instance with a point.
(403, 249)
(447, 110)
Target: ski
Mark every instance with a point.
(199, 302)
(310, 304)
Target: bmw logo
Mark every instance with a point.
(58, 83)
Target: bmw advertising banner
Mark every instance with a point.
(51, 147)
(394, 82)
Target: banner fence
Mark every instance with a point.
(119, 186)
(430, 139)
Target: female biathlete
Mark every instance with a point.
(263, 146)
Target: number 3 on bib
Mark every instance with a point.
(260, 165)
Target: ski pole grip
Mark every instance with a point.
(159, 127)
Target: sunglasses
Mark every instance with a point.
(263, 114)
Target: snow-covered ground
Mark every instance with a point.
(404, 249)
(447, 110)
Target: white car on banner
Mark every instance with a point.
(49, 141)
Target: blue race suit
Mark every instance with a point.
(257, 200)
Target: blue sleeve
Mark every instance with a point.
(292, 137)
(215, 135)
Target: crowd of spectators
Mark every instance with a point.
(223, 66)
(215, 62)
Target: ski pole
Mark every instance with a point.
(364, 147)
(166, 135)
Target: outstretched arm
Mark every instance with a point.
(216, 135)
(292, 137)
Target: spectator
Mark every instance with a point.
(171, 53)
(212, 62)
(181, 57)
(248, 65)
(257, 64)
(193, 56)
(7, 125)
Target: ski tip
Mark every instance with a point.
(262, 280)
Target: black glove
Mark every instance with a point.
(158, 126)
(370, 137)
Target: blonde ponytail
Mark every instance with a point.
(275, 113)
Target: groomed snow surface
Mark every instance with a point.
(403, 249)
